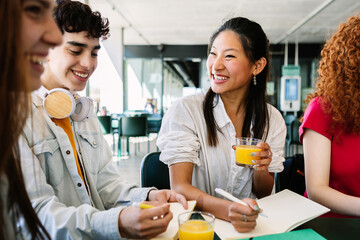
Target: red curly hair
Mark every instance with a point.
(338, 84)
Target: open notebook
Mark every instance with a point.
(171, 232)
(285, 210)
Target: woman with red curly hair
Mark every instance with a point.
(330, 130)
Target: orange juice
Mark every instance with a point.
(243, 157)
(196, 229)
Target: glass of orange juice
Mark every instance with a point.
(196, 225)
(244, 148)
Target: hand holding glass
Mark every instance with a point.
(196, 225)
(244, 148)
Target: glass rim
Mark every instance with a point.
(249, 139)
(197, 212)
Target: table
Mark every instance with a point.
(331, 228)
(334, 228)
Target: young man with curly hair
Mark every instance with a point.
(330, 130)
(78, 192)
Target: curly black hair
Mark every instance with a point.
(74, 16)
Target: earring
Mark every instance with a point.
(254, 79)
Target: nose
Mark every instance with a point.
(52, 35)
(217, 64)
(87, 61)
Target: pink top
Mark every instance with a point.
(345, 153)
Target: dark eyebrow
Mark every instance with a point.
(231, 49)
(83, 45)
(77, 44)
(228, 49)
(44, 3)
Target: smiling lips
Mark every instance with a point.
(219, 78)
(36, 59)
(83, 76)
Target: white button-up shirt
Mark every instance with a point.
(183, 138)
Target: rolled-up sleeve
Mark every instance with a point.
(276, 139)
(177, 140)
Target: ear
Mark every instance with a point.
(259, 66)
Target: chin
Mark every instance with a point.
(35, 82)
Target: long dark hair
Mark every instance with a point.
(14, 108)
(256, 46)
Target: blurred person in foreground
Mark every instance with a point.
(28, 31)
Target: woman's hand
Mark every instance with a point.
(243, 218)
(265, 156)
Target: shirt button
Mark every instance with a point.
(68, 152)
(94, 143)
(79, 184)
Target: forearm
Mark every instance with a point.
(204, 201)
(263, 182)
(338, 202)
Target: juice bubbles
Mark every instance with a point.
(196, 229)
(243, 157)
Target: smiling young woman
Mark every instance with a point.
(198, 131)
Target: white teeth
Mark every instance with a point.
(36, 59)
(220, 78)
(81, 75)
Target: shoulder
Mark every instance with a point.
(315, 111)
(274, 115)
(192, 99)
(316, 119)
(188, 103)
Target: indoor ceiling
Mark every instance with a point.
(183, 22)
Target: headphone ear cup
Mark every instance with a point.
(59, 103)
(83, 109)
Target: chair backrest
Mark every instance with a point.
(154, 125)
(289, 118)
(295, 131)
(105, 122)
(153, 172)
(292, 177)
(133, 126)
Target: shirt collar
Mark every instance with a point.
(220, 114)
(39, 95)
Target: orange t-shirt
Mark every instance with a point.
(66, 125)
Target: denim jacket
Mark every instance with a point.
(67, 208)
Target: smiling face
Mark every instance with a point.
(228, 66)
(39, 32)
(71, 64)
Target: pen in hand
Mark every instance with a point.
(142, 205)
(234, 199)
